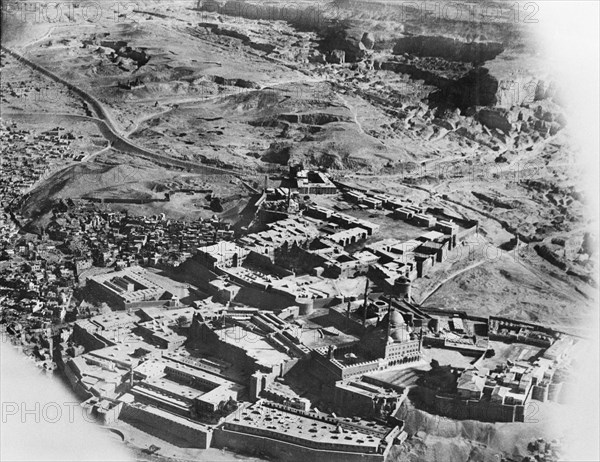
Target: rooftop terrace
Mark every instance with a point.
(254, 345)
(307, 429)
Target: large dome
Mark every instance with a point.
(396, 319)
(399, 330)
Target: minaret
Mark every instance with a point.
(365, 303)
(389, 330)
(51, 344)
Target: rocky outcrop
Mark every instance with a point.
(368, 41)
(314, 118)
(476, 88)
(341, 42)
(505, 105)
(549, 255)
(496, 118)
(302, 18)
(429, 77)
(540, 120)
(495, 201)
(355, 44)
(123, 50)
(448, 48)
(514, 90)
(336, 57)
(246, 39)
(235, 82)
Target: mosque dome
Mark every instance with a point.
(399, 330)
(396, 319)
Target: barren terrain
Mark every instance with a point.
(455, 112)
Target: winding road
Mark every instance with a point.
(109, 128)
(449, 278)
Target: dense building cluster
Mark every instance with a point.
(107, 238)
(27, 156)
(295, 334)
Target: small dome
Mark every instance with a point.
(397, 335)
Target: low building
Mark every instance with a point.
(470, 385)
(367, 398)
(289, 434)
(105, 411)
(167, 426)
(129, 288)
(223, 254)
(313, 182)
(161, 335)
(184, 389)
(423, 219)
(348, 236)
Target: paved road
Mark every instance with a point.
(109, 128)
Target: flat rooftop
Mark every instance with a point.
(151, 368)
(140, 277)
(184, 357)
(510, 351)
(122, 353)
(183, 403)
(254, 345)
(92, 371)
(312, 430)
(203, 376)
(174, 387)
(108, 321)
